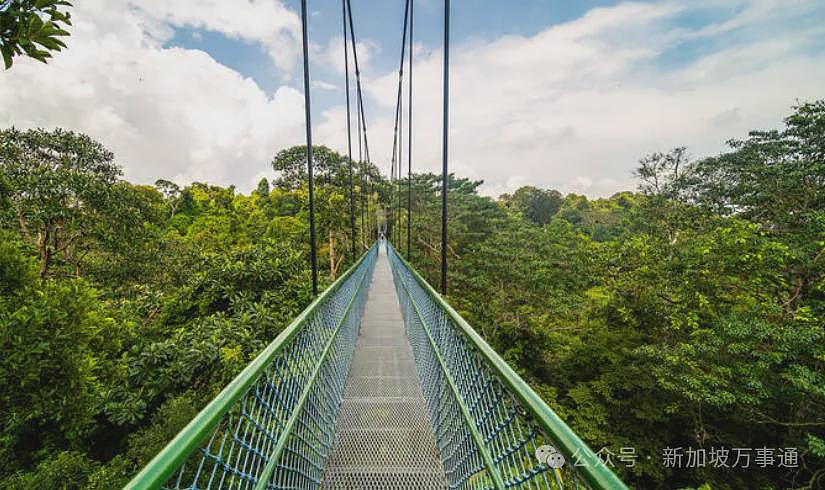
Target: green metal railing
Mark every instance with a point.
(492, 430)
(273, 426)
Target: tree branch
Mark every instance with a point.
(24, 227)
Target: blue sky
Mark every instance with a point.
(381, 22)
(563, 94)
(473, 21)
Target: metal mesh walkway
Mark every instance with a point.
(383, 434)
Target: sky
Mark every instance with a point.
(551, 93)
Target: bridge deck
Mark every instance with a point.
(383, 434)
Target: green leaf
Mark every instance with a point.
(7, 60)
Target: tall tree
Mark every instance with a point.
(536, 205)
(774, 178)
(61, 186)
(171, 192)
(328, 167)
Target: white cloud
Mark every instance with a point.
(576, 105)
(333, 55)
(572, 107)
(267, 22)
(166, 112)
(322, 85)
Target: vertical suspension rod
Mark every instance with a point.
(308, 118)
(360, 101)
(394, 207)
(409, 136)
(399, 163)
(444, 147)
(349, 132)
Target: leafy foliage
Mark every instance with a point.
(146, 302)
(33, 28)
(536, 205)
(65, 196)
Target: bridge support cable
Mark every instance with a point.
(393, 167)
(349, 131)
(394, 170)
(409, 136)
(399, 162)
(399, 158)
(362, 120)
(366, 223)
(396, 144)
(361, 180)
(308, 118)
(444, 147)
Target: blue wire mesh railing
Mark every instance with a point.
(491, 429)
(273, 426)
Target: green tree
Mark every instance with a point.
(776, 179)
(536, 205)
(663, 174)
(64, 192)
(329, 168)
(49, 385)
(33, 28)
(171, 193)
(263, 188)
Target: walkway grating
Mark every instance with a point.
(383, 435)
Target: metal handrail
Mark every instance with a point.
(591, 468)
(193, 436)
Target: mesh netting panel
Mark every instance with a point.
(455, 377)
(291, 404)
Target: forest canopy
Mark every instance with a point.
(687, 313)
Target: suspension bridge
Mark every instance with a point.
(379, 383)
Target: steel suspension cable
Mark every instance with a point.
(444, 147)
(398, 118)
(409, 136)
(349, 131)
(363, 180)
(395, 171)
(360, 101)
(400, 162)
(394, 168)
(364, 176)
(308, 119)
(360, 96)
(397, 187)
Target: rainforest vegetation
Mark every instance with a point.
(686, 313)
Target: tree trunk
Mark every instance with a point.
(24, 227)
(45, 253)
(331, 255)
